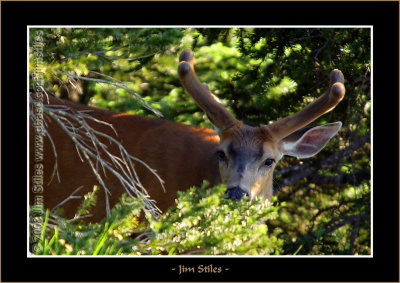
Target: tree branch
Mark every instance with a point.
(340, 179)
(303, 171)
(123, 86)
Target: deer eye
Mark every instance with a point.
(269, 162)
(221, 155)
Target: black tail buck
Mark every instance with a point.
(240, 156)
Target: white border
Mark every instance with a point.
(205, 256)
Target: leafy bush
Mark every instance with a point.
(203, 222)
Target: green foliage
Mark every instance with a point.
(322, 224)
(261, 75)
(89, 200)
(101, 53)
(203, 222)
(74, 237)
(206, 222)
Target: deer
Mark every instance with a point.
(240, 156)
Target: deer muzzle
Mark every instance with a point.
(236, 193)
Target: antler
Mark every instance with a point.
(215, 111)
(326, 102)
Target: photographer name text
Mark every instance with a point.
(182, 269)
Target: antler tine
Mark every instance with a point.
(326, 102)
(215, 111)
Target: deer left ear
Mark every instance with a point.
(309, 141)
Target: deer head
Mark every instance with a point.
(248, 155)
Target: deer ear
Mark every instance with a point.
(309, 141)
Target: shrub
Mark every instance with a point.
(202, 222)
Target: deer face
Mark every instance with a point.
(247, 156)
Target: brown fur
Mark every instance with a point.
(178, 152)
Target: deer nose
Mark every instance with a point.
(236, 193)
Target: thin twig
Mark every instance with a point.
(141, 57)
(119, 85)
(96, 153)
(71, 196)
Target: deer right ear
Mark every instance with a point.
(309, 141)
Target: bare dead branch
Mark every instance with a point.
(92, 150)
